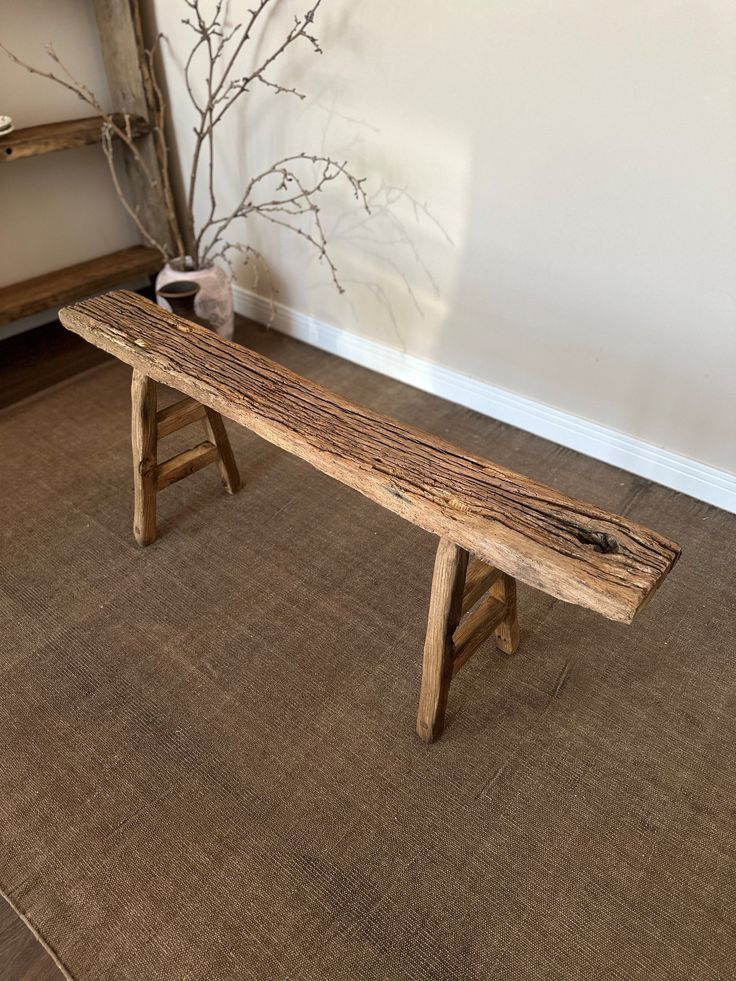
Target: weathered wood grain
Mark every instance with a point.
(476, 628)
(570, 549)
(469, 601)
(507, 631)
(149, 426)
(119, 26)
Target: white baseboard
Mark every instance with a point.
(717, 487)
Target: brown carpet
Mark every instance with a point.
(209, 767)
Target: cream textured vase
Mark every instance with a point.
(214, 301)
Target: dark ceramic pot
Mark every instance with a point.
(180, 295)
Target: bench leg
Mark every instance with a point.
(149, 426)
(468, 604)
(215, 429)
(445, 608)
(143, 399)
(507, 632)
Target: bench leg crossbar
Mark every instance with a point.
(469, 601)
(149, 425)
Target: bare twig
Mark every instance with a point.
(294, 203)
(255, 262)
(107, 148)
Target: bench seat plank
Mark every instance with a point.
(572, 550)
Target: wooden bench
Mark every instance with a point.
(494, 526)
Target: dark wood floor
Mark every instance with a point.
(22, 958)
(39, 358)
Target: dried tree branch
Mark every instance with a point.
(223, 92)
(107, 148)
(301, 202)
(254, 261)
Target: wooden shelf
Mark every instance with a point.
(36, 140)
(76, 282)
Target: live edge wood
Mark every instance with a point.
(32, 141)
(73, 282)
(572, 550)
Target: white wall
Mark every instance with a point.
(582, 156)
(61, 208)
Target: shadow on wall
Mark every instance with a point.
(559, 276)
(396, 262)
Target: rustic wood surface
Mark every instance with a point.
(32, 141)
(149, 425)
(468, 602)
(475, 629)
(570, 549)
(64, 285)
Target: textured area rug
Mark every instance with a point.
(208, 765)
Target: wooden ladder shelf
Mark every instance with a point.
(121, 40)
(35, 141)
(82, 279)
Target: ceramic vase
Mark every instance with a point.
(213, 302)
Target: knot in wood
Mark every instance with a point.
(600, 540)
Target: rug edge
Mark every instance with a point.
(28, 923)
